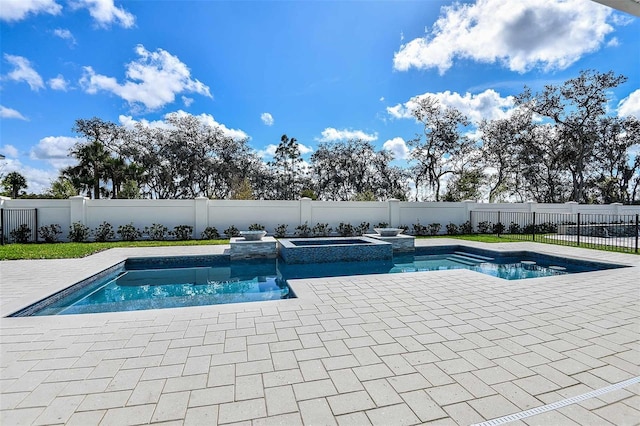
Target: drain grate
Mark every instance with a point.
(559, 404)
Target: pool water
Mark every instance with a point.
(171, 287)
(154, 283)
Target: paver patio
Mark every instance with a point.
(449, 347)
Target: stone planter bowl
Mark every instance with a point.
(253, 235)
(388, 232)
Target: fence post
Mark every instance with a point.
(533, 228)
(201, 215)
(578, 231)
(572, 206)
(499, 224)
(637, 232)
(77, 209)
(394, 212)
(35, 220)
(305, 210)
(616, 207)
(2, 227)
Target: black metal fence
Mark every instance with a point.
(18, 224)
(601, 231)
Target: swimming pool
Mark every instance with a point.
(167, 282)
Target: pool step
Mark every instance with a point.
(474, 256)
(469, 261)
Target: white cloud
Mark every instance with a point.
(16, 10)
(65, 34)
(58, 83)
(153, 80)
(267, 118)
(331, 134)
(54, 150)
(11, 113)
(630, 106)
(268, 152)
(129, 122)
(381, 98)
(398, 147)
(488, 105)
(9, 151)
(105, 12)
(23, 71)
(187, 101)
(304, 149)
(521, 35)
(614, 42)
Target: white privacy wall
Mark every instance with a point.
(202, 212)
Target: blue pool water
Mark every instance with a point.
(153, 283)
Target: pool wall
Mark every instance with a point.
(326, 250)
(49, 300)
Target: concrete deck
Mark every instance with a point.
(450, 347)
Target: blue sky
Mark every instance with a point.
(317, 71)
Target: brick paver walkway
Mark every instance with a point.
(450, 347)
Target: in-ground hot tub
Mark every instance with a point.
(333, 249)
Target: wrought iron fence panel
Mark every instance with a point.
(602, 231)
(14, 222)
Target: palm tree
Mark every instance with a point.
(92, 158)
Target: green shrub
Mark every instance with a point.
(22, 234)
(183, 232)
(345, 229)
(104, 232)
(484, 227)
(129, 232)
(321, 230)
(231, 231)
(452, 229)
(434, 228)
(157, 232)
(78, 233)
(210, 233)
(303, 230)
(419, 229)
(50, 233)
(547, 228)
(466, 228)
(514, 228)
(498, 228)
(280, 231)
(381, 225)
(256, 227)
(362, 229)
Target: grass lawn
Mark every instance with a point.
(73, 250)
(483, 238)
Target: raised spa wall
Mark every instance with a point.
(401, 243)
(269, 248)
(266, 248)
(326, 252)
